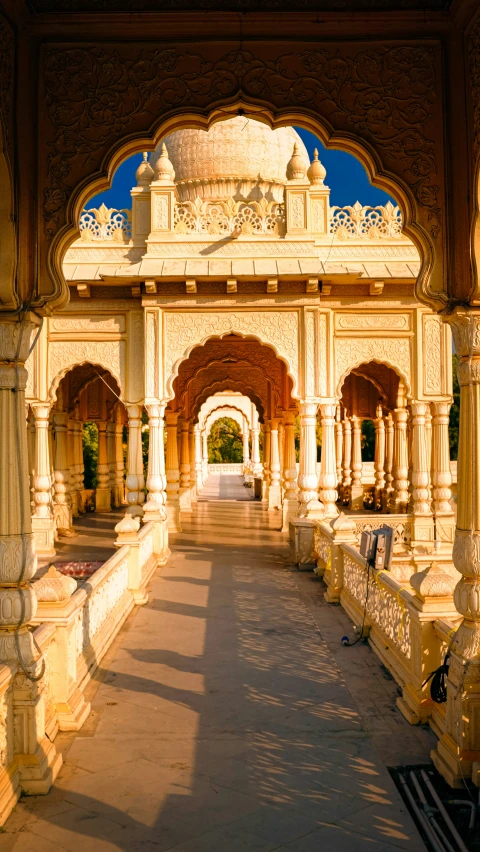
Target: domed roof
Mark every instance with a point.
(239, 148)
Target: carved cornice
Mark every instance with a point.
(238, 5)
(98, 96)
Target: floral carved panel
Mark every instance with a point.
(182, 331)
(386, 96)
(432, 355)
(351, 352)
(64, 355)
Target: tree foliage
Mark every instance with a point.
(90, 454)
(454, 413)
(225, 443)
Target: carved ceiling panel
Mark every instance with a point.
(348, 6)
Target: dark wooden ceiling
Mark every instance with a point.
(52, 6)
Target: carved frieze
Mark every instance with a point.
(385, 96)
(369, 322)
(350, 353)
(115, 323)
(64, 355)
(278, 329)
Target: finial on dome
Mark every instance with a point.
(316, 172)
(295, 165)
(144, 173)
(163, 167)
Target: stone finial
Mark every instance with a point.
(316, 172)
(144, 173)
(433, 582)
(343, 523)
(54, 586)
(128, 524)
(163, 167)
(295, 165)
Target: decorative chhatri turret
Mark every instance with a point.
(317, 171)
(296, 165)
(163, 167)
(144, 173)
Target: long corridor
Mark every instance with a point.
(227, 717)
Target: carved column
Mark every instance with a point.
(246, 448)
(338, 446)
(457, 751)
(198, 457)
(328, 469)
(266, 460)
(154, 509)
(400, 495)
(205, 455)
(135, 479)
(72, 469)
(42, 521)
(191, 455)
(290, 500)
(112, 467)
(80, 468)
(429, 438)
(356, 493)
(347, 460)
(256, 463)
(274, 492)
(31, 439)
(422, 522)
(310, 506)
(18, 602)
(62, 508)
(185, 493)
(119, 461)
(281, 444)
(172, 472)
(389, 443)
(441, 475)
(379, 458)
(102, 494)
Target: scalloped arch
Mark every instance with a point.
(54, 383)
(384, 361)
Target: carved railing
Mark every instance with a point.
(230, 217)
(231, 469)
(401, 524)
(106, 223)
(366, 222)
(251, 218)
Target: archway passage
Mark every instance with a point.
(240, 367)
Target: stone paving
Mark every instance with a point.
(228, 717)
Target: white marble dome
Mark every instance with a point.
(239, 158)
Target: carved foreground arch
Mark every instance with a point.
(381, 103)
(99, 357)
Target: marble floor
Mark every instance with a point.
(228, 717)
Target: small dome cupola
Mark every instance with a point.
(163, 169)
(144, 173)
(296, 167)
(317, 171)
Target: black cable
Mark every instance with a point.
(438, 687)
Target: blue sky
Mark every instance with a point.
(346, 178)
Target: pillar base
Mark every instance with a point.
(185, 500)
(39, 770)
(103, 500)
(356, 498)
(274, 498)
(72, 715)
(289, 512)
(453, 763)
(445, 529)
(423, 533)
(62, 514)
(44, 536)
(302, 551)
(173, 517)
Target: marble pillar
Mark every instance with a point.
(387, 500)
(256, 463)
(172, 472)
(444, 517)
(347, 460)
(338, 447)
(185, 493)
(266, 460)
(274, 491)
(290, 498)
(400, 494)
(328, 468)
(72, 468)
(154, 508)
(191, 455)
(309, 506)
(246, 448)
(135, 479)
(111, 461)
(379, 460)
(204, 455)
(198, 457)
(422, 520)
(103, 497)
(62, 509)
(43, 524)
(119, 460)
(356, 491)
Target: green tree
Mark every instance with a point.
(454, 413)
(225, 442)
(90, 454)
(368, 440)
